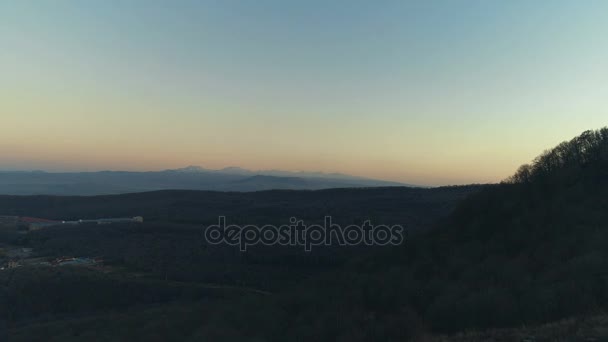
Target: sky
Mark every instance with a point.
(423, 92)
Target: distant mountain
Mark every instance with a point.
(188, 178)
(235, 170)
(191, 168)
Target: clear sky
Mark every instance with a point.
(428, 92)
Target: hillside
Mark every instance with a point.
(166, 258)
(412, 207)
(527, 252)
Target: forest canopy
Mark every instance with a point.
(588, 148)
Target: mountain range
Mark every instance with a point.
(188, 178)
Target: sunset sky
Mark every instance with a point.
(424, 92)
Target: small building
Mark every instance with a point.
(136, 219)
(77, 261)
(34, 223)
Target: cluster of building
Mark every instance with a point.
(58, 262)
(72, 261)
(13, 257)
(34, 223)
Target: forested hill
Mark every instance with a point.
(530, 250)
(570, 162)
(412, 207)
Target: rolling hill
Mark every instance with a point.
(189, 178)
(526, 255)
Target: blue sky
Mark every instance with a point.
(430, 92)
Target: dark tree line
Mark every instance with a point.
(587, 148)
